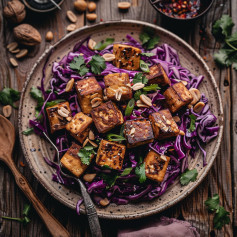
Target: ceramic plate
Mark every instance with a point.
(36, 148)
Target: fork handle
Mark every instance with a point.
(53, 225)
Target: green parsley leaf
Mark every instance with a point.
(85, 154)
(115, 137)
(8, 96)
(110, 179)
(37, 95)
(97, 64)
(140, 172)
(139, 77)
(138, 93)
(103, 44)
(192, 126)
(221, 57)
(130, 107)
(153, 87)
(232, 41)
(78, 64)
(222, 28)
(144, 66)
(28, 131)
(188, 176)
(144, 37)
(221, 218)
(148, 54)
(153, 42)
(127, 171)
(148, 38)
(212, 203)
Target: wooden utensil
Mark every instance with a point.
(7, 140)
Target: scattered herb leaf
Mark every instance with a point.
(8, 96)
(127, 171)
(139, 77)
(104, 43)
(192, 126)
(141, 173)
(148, 38)
(28, 131)
(153, 87)
(26, 210)
(144, 66)
(138, 93)
(110, 179)
(78, 64)
(188, 176)
(85, 154)
(212, 203)
(115, 137)
(97, 64)
(53, 102)
(130, 107)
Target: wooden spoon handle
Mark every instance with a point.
(54, 227)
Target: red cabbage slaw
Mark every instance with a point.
(127, 188)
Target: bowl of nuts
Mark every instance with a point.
(183, 10)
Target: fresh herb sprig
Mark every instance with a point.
(221, 216)
(85, 154)
(141, 172)
(149, 39)
(78, 64)
(104, 43)
(8, 96)
(97, 64)
(25, 219)
(140, 78)
(192, 126)
(188, 176)
(221, 30)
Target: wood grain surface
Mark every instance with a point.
(222, 178)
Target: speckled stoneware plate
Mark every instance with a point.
(35, 148)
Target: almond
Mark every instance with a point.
(85, 142)
(13, 62)
(63, 112)
(91, 16)
(91, 6)
(146, 100)
(89, 177)
(96, 102)
(118, 94)
(69, 85)
(71, 27)
(12, 46)
(163, 157)
(104, 202)
(108, 57)
(7, 111)
(22, 53)
(196, 94)
(141, 104)
(138, 86)
(91, 135)
(71, 16)
(181, 133)
(80, 5)
(124, 5)
(91, 44)
(49, 36)
(198, 107)
(92, 143)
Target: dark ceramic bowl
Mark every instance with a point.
(205, 6)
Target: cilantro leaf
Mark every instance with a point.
(103, 44)
(232, 41)
(192, 126)
(85, 154)
(28, 131)
(148, 38)
(144, 37)
(127, 171)
(97, 64)
(139, 77)
(138, 93)
(78, 64)
(212, 203)
(153, 87)
(221, 57)
(221, 218)
(188, 176)
(222, 27)
(110, 179)
(153, 42)
(148, 54)
(53, 102)
(140, 172)
(144, 66)
(37, 95)
(8, 96)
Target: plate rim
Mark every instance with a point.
(183, 195)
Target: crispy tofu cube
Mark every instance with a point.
(157, 75)
(106, 117)
(79, 126)
(177, 96)
(56, 121)
(72, 161)
(126, 57)
(156, 166)
(111, 154)
(138, 132)
(115, 82)
(87, 90)
(163, 125)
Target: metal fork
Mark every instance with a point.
(89, 205)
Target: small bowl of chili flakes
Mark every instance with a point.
(182, 9)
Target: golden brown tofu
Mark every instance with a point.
(87, 90)
(157, 75)
(56, 121)
(163, 125)
(111, 154)
(115, 82)
(138, 132)
(177, 96)
(156, 166)
(126, 57)
(79, 126)
(106, 117)
(72, 161)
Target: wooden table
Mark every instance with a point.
(222, 178)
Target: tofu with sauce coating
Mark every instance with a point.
(157, 75)
(57, 121)
(79, 126)
(156, 166)
(126, 57)
(116, 82)
(106, 117)
(111, 154)
(138, 132)
(163, 125)
(88, 90)
(177, 96)
(72, 162)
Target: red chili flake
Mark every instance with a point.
(101, 19)
(154, 21)
(203, 38)
(22, 164)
